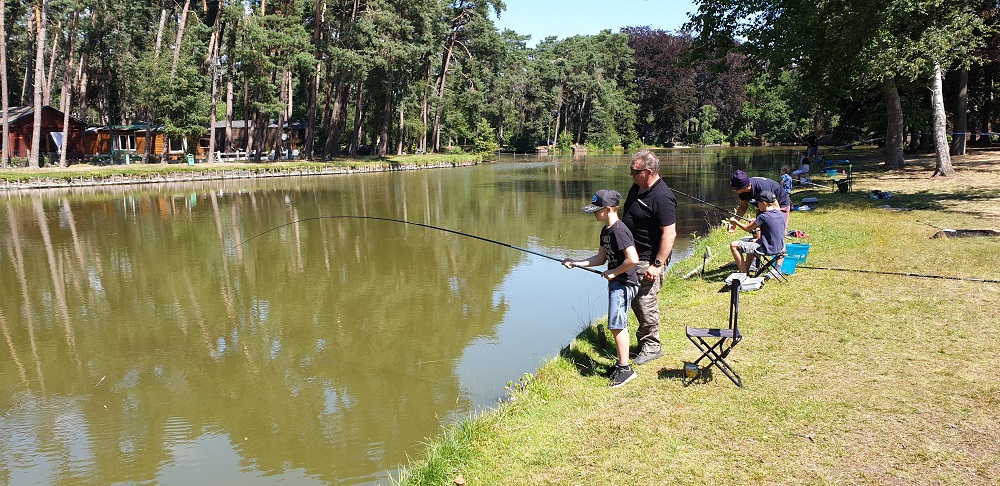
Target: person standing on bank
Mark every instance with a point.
(747, 188)
(650, 212)
(618, 250)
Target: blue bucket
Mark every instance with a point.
(831, 172)
(796, 251)
(788, 265)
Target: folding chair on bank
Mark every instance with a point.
(768, 265)
(716, 343)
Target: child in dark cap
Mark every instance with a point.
(772, 232)
(618, 249)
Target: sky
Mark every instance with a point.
(566, 18)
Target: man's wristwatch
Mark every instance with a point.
(657, 263)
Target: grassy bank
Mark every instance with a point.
(84, 173)
(849, 377)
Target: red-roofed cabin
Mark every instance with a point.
(21, 119)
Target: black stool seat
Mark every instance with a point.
(716, 343)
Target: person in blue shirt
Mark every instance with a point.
(771, 241)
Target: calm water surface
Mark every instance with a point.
(142, 343)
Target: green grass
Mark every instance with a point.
(849, 377)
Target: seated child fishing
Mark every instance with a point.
(618, 250)
(771, 241)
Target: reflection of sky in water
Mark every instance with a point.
(539, 295)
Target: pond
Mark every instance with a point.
(170, 334)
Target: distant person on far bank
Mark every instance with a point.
(747, 188)
(812, 146)
(650, 212)
(618, 250)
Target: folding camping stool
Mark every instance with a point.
(724, 342)
(768, 265)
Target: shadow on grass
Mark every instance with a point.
(921, 200)
(582, 356)
(704, 374)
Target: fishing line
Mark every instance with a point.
(495, 242)
(945, 277)
(683, 194)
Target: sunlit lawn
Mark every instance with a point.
(849, 377)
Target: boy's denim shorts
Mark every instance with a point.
(619, 298)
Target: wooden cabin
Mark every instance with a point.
(22, 119)
(124, 143)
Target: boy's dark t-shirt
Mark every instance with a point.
(615, 240)
(772, 231)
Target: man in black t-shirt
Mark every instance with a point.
(650, 212)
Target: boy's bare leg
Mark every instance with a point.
(737, 255)
(621, 345)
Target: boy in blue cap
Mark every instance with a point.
(618, 250)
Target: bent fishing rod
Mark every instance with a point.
(688, 195)
(495, 242)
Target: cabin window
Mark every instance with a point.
(176, 145)
(204, 143)
(125, 142)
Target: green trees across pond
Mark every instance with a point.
(394, 76)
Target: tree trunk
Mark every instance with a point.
(180, 37)
(213, 60)
(894, 130)
(257, 141)
(41, 11)
(247, 115)
(944, 167)
(986, 115)
(358, 118)
(555, 131)
(159, 30)
(228, 142)
(424, 112)
(332, 148)
(30, 46)
(961, 115)
(383, 139)
(342, 124)
(311, 111)
(974, 75)
(440, 94)
(53, 52)
(67, 89)
(326, 116)
(82, 114)
(4, 88)
(579, 127)
(402, 132)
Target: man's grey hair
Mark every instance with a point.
(647, 160)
